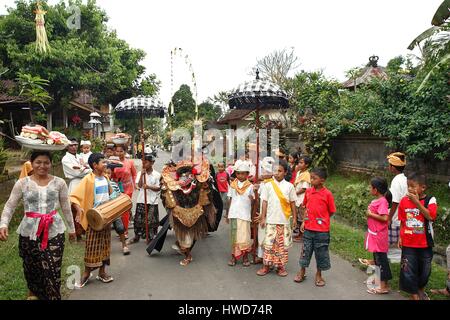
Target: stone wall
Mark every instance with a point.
(367, 154)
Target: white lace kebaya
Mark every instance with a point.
(41, 200)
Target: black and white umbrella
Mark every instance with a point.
(139, 108)
(257, 94)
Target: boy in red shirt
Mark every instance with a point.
(318, 207)
(416, 213)
(223, 182)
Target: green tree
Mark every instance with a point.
(184, 108)
(31, 90)
(92, 57)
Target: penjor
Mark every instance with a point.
(42, 44)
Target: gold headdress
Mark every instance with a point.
(395, 159)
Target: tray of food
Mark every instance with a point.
(120, 138)
(39, 138)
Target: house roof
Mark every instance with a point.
(233, 115)
(5, 87)
(372, 70)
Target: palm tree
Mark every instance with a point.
(434, 51)
(31, 89)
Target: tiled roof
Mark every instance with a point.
(233, 115)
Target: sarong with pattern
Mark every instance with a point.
(42, 269)
(98, 247)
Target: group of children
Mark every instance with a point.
(415, 212)
(308, 204)
(279, 207)
(105, 181)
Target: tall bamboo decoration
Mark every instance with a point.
(42, 45)
(179, 52)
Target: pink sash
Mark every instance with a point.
(44, 225)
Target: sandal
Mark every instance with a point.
(282, 272)
(298, 278)
(365, 262)
(263, 271)
(32, 298)
(185, 261)
(246, 263)
(232, 262)
(83, 282)
(105, 278)
(125, 251)
(320, 283)
(378, 291)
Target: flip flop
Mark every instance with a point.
(83, 283)
(282, 273)
(185, 261)
(377, 291)
(363, 262)
(263, 271)
(299, 279)
(232, 263)
(108, 279)
(320, 283)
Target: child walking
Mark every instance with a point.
(93, 190)
(416, 212)
(241, 197)
(117, 224)
(302, 182)
(152, 187)
(377, 236)
(319, 207)
(223, 182)
(279, 217)
(267, 167)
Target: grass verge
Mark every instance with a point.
(12, 280)
(347, 242)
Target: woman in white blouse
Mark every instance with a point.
(41, 232)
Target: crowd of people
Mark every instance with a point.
(295, 205)
(284, 200)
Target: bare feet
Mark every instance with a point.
(443, 292)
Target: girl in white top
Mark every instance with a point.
(241, 197)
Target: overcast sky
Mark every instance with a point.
(224, 38)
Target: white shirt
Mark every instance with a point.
(73, 160)
(399, 189)
(241, 205)
(301, 197)
(85, 157)
(151, 179)
(275, 213)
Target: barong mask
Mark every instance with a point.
(185, 175)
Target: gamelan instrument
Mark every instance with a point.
(99, 217)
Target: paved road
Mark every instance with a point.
(142, 277)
